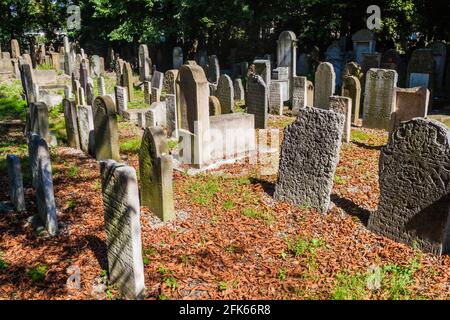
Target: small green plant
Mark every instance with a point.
(231, 248)
(163, 297)
(203, 192)
(339, 180)
(3, 263)
(131, 146)
(282, 274)
(71, 204)
(223, 286)
(168, 278)
(45, 66)
(73, 171)
(97, 185)
(253, 213)
(38, 273)
(172, 144)
(228, 204)
(349, 286)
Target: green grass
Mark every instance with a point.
(11, 104)
(202, 191)
(169, 280)
(258, 214)
(131, 146)
(339, 180)
(45, 66)
(3, 263)
(38, 273)
(360, 136)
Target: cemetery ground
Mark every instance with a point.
(230, 240)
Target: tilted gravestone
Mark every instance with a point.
(105, 129)
(70, 117)
(101, 86)
(408, 104)
(155, 168)
(343, 105)
(414, 202)
(380, 84)
(309, 156)
(15, 179)
(262, 69)
(86, 129)
(299, 91)
(15, 49)
(275, 98)
(225, 94)
(83, 75)
(144, 65)
(214, 106)
(41, 171)
(127, 80)
(351, 88)
(324, 86)
(27, 77)
(257, 101)
(123, 228)
(239, 92)
(90, 91)
(121, 99)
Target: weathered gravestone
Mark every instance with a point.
(421, 69)
(299, 92)
(41, 171)
(105, 129)
(147, 92)
(38, 119)
(86, 129)
(121, 99)
(352, 69)
(262, 69)
(414, 202)
(214, 106)
(287, 56)
(156, 95)
(239, 92)
(171, 116)
(127, 80)
(118, 68)
(363, 42)
(309, 156)
(156, 115)
(193, 116)
(225, 94)
(275, 98)
(177, 57)
(70, 117)
(351, 88)
(157, 80)
(169, 84)
(325, 84)
(90, 91)
(155, 168)
(83, 75)
(15, 179)
(96, 67)
(408, 104)
(439, 51)
(144, 63)
(309, 94)
(378, 98)
(27, 77)
(213, 69)
(123, 228)
(370, 61)
(343, 105)
(257, 100)
(101, 86)
(15, 49)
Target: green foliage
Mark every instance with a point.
(11, 104)
(38, 273)
(222, 286)
(282, 274)
(131, 146)
(45, 66)
(3, 263)
(203, 190)
(169, 280)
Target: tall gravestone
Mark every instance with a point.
(41, 170)
(171, 116)
(127, 80)
(155, 169)
(213, 69)
(343, 105)
(324, 86)
(15, 179)
(239, 92)
(299, 92)
(414, 202)
(86, 129)
(257, 100)
(90, 91)
(275, 98)
(225, 94)
(287, 55)
(38, 119)
(193, 116)
(123, 228)
(177, 57)
(170, 82)
(309, 156)
(27, 77)
(121, 99)
(70, 117)
(409, 103)
(380, 84)
(262, 69)
(105, 129)
(144, 65)
(101, 86)
(118, 68)
(15, 49)
(83, 75)
(351, 88)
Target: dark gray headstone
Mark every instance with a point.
(257, 101)
(15, 182)
(70, 117)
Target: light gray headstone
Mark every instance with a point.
(101, 86)
(15, 182)
(144, 65)
(309, 156)
(86, 128)
(239, 92)
(123, 229)
(156, 95)
(414, 202)
(325, 84)
(105, 129)
(343, 105)
(156, 115)
(299, 92)
(38, 119)
(157, 80)
(121, 99)
(275, 98)
(262, 69)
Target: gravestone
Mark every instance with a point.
(193, 115)
(213, 69)
(70, 117)
(169, 84)
(155, 116)
(370, 61)
(352, 69)
(155, 96)
(157, 80)
(144, 65)
(378, 98)
(309, 156)
(41, 170)
(335, 56)
(262, 69)
(68, 63)
(309, 93)
(304, 64)
(177, 57)
(15, 49)
(343, 105)
(414, 186)
(214, 106)
(121, 99)
(421, 69)
(239, 92)
(171, 116)
(118, 68)
(439, 51)
(225, 94)
(408, 104)
(299, 92)
(147, 92)
(257, 100)
(363, 42)
(90, 91)
(123, 228)
(81, 96)
(15, 179)
(324, 85)
(38, 119)
(390, 59)
(275, 98)
(95, 66)
(127, 80)
(86, 129)
(105, 129)
(351, 88)
(26, 74)
(287, 56)
(155, 168)
(101, 86)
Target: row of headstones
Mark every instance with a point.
(414, 184)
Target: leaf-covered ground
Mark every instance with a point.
(230, 240)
